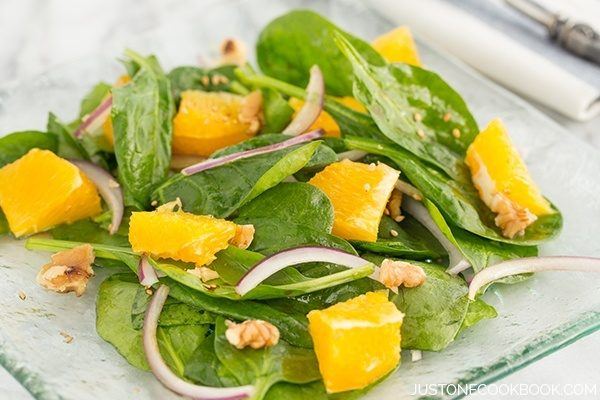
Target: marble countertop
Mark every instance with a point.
(39, 34)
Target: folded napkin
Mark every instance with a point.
(497, 55)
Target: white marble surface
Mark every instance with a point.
(39, 34)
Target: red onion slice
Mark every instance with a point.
(146, 272)
(409, 190)
(161, 370)
(298, 255)
(352, 155)
(216, 162)
(109, 189)
(313, 104)
(457, 262)
(95, 119)
(531, 264)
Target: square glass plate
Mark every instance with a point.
(535, 318)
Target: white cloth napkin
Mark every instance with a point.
(495, 55)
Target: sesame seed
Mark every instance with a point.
(456, 133)
(205, 80)
(367, 187)
(399, 218)
(421, 133)
(149, 292)
(22, 295)
(417, 197)
(113, 184)
(372, 167)
(386, 211)
(393, 232)
(418, 117)
(154, 203)
(446, 117)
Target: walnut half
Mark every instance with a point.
(69, 270)
(244, 235)
(393, 274)
(253, 332)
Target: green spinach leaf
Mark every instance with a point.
(276, 110)
(478, 310)
(221, 191)
(141, 114)
(93, 98)
(409, 105)
(116, 297)
(4, 228)
(15, 145)
(293, 203)
(68, 146)
(265, 367)
(205, 368)
(87, 231)
(412, 240)
(458, 201)
(293, 327)
(286, 49)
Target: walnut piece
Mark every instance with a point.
(254, 333)
(511, 218)
(251, 111)
(393, 274)
(204, 273)
(394, 204)
(244, 234)
(233, 51)
(69, 270)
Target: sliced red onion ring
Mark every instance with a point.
(161, 370)
(95, 119)
(531, 264)
(313, 104)
(216, 162)
(458, 263)
(109, 189)
(352, 155)
(408, 189)
(298, 255)
(146, 273)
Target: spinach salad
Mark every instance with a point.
(283, 230)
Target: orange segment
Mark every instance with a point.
(41, 190)
(359, 194)
(325, 121)
(207, 122)
(497, 167)
(357, 341)
(398, 45)
(180, 235)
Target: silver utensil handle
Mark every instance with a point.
(580, 39)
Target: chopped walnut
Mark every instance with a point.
(204, 273)
(394, 204)
(233, 51)
(69, 270)
(394, 274)
(253, 332)
(251, 112)
(244, 234)
(171, 206)
(511, 218)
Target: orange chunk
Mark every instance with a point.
(357, 341)
(209, 121)
(359, 194)
(325, 121)
(398, 45)
(503, 181)
(41, 190)
(180, 235)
